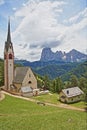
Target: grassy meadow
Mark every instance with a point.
(50, 98)
(19, 114)
(54, 99)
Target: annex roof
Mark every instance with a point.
(71, 92)
(26, 89)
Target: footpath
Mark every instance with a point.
(61, 105)
(2, 96)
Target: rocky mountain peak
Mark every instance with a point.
(71, 56)
(47, 54)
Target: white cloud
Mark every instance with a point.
(74, 37)
(80, 15)
(39, 26)
(23, 4)
(14, 9)
(75, 28)
(2, 2)
(39, 18)
(76, 41)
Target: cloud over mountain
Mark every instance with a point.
(59, 24)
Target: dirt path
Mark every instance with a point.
(61, 105)
(2, 96)
(28, 99)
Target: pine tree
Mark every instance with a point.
(74, 81)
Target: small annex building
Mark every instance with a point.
(24, 79)
(71, 95)
(26, 91)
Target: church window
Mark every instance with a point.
(10, 46)
(10, 56)
(29, 82)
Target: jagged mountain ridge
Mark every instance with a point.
(56, 68)
(71, 56)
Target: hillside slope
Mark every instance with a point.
(54, 71)
(79, 70)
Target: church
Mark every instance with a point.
(16, 79)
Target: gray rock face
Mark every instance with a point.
(47, 55)
(72, 56)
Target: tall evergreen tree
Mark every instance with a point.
(59, 84)
(46, 82)
(74, 81)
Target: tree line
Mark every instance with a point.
(56, 85)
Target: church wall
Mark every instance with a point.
(5, 74)
(10, 72)
(30, 80)
(18, 86)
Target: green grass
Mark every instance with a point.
(80, 104)
(18, 114)
(53, 98)
(50, 98)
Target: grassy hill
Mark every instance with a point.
(18, 114)
(55, 70)
(63, 70)
(79, 70)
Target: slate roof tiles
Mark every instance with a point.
(71, 92)
(20, 73)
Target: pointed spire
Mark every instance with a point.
(9, 35)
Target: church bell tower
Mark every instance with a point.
(8, 61)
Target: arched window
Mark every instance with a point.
(29, 82)
(10, 46)
(10, 56)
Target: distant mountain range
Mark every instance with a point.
(71, 56)
(58, 64)
(54, 69)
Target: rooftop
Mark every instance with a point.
(20, 73)
(26, 89)
(71, 92)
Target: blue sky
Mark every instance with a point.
(35, 24)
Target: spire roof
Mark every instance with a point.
(8, 43)
(9, 35)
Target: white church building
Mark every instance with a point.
(20, 78)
